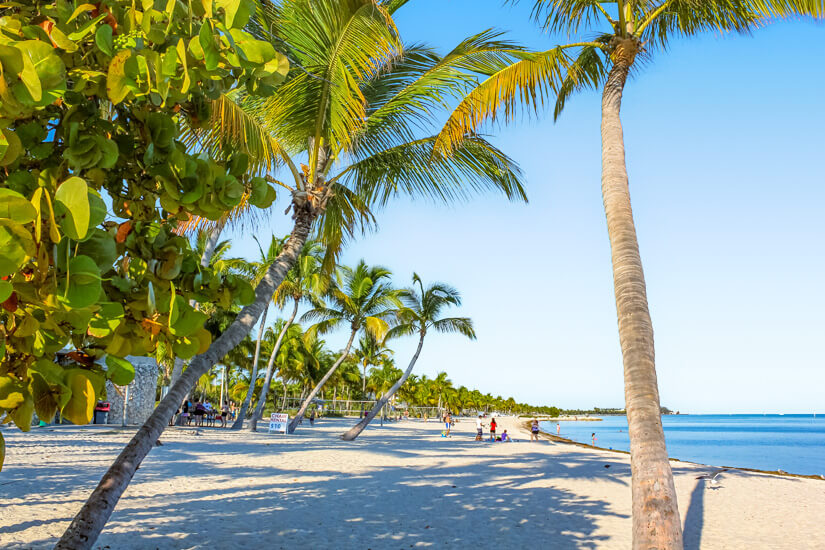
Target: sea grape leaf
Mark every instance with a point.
(12, 392)
(80, 407)
(118, 85)
(14, 206)
(104, 41)
(16, 244)
(84, 283)
(6, 289)
(73, 194)
(120, 371)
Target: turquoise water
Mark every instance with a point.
(794, 443)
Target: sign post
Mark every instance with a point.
(278, 422)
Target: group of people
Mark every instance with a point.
(204, 414)
(493, 426)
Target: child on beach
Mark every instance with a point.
(593, 437)
(448, 421)
(534, 430)
(505, 436)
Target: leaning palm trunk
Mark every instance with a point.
(656, 521)
(259, 408)
(356, 430)
(300, 414)
(238, 424)
(89, 521)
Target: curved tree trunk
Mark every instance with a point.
(259, 408)
(656, 521)
(238, 424)
(89, 521)
(300, 414)
(206, 258)
(356, 430)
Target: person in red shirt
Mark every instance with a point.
(493, 429)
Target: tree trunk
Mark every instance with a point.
(259, 408)
(89, 521)
(212, 242)
(356, 430)
(238, 424)
(656, 521)
(300, 414)
(283, 405)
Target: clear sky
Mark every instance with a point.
(725, 152)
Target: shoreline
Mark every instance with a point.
(526, 427)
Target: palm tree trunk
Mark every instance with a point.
(283, 405)
(656, 521)
(89, 521)
(238, 424)
(259, 408)
(356, 430)
(212, 242)
(300, 414)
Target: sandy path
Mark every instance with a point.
(400, 486)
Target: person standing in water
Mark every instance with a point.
(593, 437)
(558, 428)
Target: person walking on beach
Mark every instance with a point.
(534, 430)
(493, 429)
(312, 418)
(479, 429)
(593, 437)
(447, 423)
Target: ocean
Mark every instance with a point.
(794, 443)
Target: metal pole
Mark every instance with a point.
(125, 401)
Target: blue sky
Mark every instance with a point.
(724, 139)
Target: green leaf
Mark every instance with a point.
(45, 402)
(188, 321)
(12, 392)
(16, 244)
(22, 415)
(13, 147)
(120, 371)
(84, 283)
(210, 50)
(104, 41)
(73, 194)
(118, 85)
(6, 288)
(80, 407)
(101, 247)
(15, 207)
(106, 320)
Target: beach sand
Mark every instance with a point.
(398, 486)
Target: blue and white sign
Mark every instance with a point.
(278, 422)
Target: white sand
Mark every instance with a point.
(400, 486)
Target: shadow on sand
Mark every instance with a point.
(380, 507)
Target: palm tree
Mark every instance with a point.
(362, 300)
(421, 311)
(304, 283)
(616, 35)
(369, 353)
(256, 271)
(354, 104)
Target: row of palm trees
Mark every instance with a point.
(361, 299)
(364, 110)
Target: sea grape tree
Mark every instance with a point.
(94, 181)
